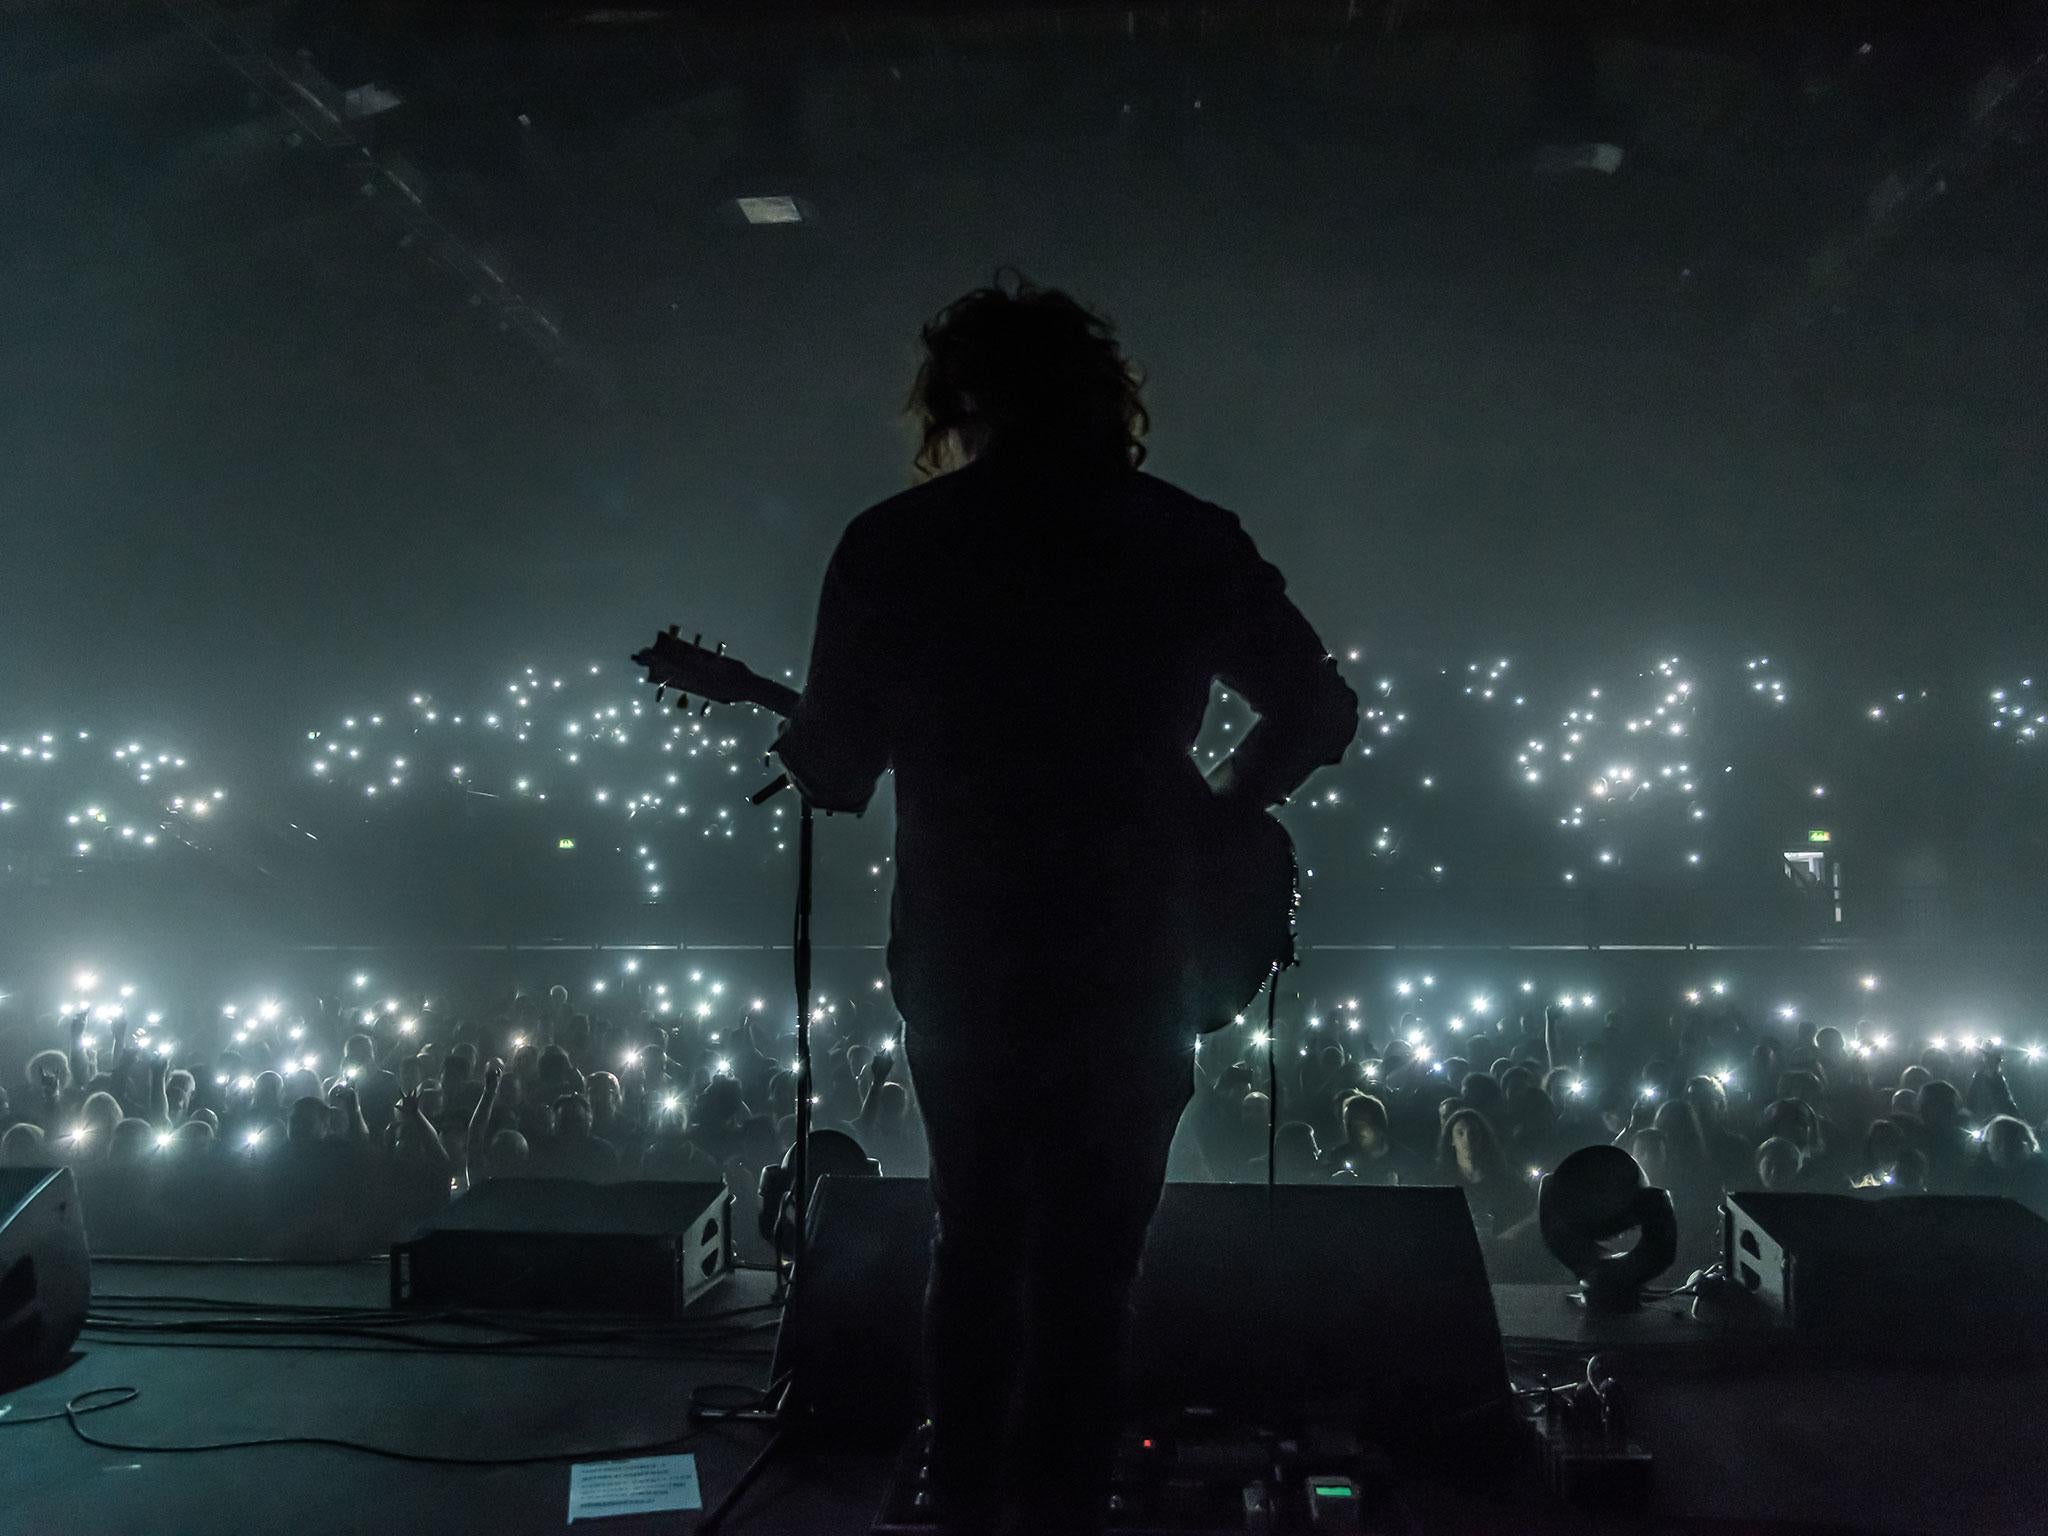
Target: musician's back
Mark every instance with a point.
(1031, 651)
(1029, 641)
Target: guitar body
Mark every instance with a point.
(1244, 860)
(1249, 892)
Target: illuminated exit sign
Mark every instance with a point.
(1818, 836)
(570, 842)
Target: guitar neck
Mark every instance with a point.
(778, 698)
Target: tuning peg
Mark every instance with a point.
(682, 700)
(697, 639)
(660, 693)
(673, 631)
(721, 647)
(705, 710)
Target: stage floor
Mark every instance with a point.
(1746, 1439)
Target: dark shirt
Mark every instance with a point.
(1498, 1203)
(1033, 657)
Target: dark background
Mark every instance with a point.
(303, 412)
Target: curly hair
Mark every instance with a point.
(1033, 367)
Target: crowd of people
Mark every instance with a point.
(1707, 1101)
(328, 1128)
(257, 1149)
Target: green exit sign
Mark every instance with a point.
(1818, 836)
(570, 842)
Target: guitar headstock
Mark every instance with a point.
(692, 669)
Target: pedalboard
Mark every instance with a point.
(1197, 1477)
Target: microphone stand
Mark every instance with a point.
(800, 949)
(779, 1411)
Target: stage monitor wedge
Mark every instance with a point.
(1365, 1303)
(45, 1271)
(647, 1247)
(1908, 1278)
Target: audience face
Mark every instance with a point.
(54, 1063)
(1778, 1163)
(1365, 1122)
(1463, 1149)
(2008, 1143)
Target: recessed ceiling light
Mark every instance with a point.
(771, 210)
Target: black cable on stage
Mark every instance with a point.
(283, 1315)
(722, 1335)
(705, 1355)
(733, 1348)
(173, 1259)
(116, 1397)
(757, 1399)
